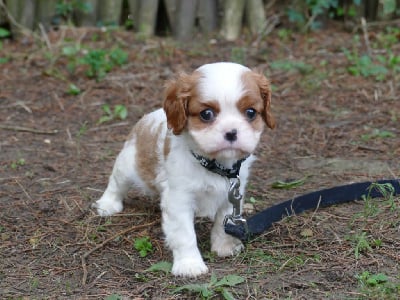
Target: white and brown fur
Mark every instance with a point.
(157, 157)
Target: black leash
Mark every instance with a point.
(261, 221)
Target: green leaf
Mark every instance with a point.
(73, 89)
(70, 50)
(106, 108)
(195, 288)
(104, 119)
(163, 266)
(120, 111)
(4, 33)
(143, 245)
(377, 279)
(229, 280)
(227, 295)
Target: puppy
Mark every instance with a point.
(214, 115)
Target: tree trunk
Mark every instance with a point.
(172, 8)
(87, 18)
(232, 19)
(186, 18)
(45, 12)
(109, 11)
(207, 13)
(371, 6)
(23, 13)
(148, 17)
(255, 16)
(134, 11)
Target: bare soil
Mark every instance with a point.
(55, 159)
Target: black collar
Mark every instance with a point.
(217, 168)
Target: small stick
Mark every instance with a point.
(27, 129)
(122, 232)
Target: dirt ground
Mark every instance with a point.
(55, 159)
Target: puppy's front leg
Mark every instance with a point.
(178, 227)
(221, 243)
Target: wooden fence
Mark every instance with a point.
(183, 18)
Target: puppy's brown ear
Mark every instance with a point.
(178, 92)
(265, 91)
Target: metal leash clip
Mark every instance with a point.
(235, 198)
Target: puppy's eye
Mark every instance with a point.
(251, 114)
(207, 115)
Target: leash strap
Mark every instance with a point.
(261, 221)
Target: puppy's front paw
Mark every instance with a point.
(227, 246)
(107, 206)
(189, 267)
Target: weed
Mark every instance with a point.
(72, 54)
(83, 129)
(377, 133)
(66, 8)
(4, 33)
(19, 163)
(215, 286)
(362, 244)
(34, 283)
(364, 66)
(378, 286)
(306, 14)
(143, 245)
(292, 65)
(119, 112)
(386, 190)
(387, 38)
(162, 266)
(100, 62)
(285, 34)
(114, 297)
(73, 90)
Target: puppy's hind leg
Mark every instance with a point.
(120, 181)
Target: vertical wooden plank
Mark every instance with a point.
(134, 11)
(186, 17)
(109, 12)
(232, 19)
(148, 17)
(87, 18)
(23, 13)
(172, 11)
(255, 15)
(45, 12)
(207, 13)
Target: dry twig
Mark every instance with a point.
(27, 129)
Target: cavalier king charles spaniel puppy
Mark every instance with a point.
(213, 116)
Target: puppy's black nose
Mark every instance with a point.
(231, 136)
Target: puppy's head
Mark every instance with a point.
(222, 106)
